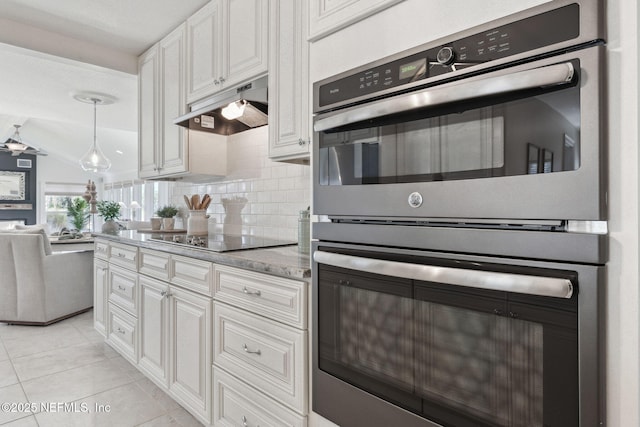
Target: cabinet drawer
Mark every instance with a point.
(270, 356)
(193, 274)
(154, 264)
(101, 249)
(280, 299)
(122, 333)
(124, 255)
(123, 286)
(236, 403)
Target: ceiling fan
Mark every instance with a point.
(15, 146)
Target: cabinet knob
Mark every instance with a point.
(165, 294)
(216, 82)
(222, 79)
(301, 141)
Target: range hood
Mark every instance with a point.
(207, 116)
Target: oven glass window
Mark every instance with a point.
(537, 134)
(456, 357)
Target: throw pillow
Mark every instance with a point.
(45, 227)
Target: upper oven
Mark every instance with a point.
(504, 121)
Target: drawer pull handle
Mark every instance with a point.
(248, 292)
(244, 422)
(122, 288)
(121, 255)
(120, 331)
(246, 349)
(165, 294)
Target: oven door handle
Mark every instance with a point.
(491, 280)
(541, 77)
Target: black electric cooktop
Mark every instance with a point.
(222, 242)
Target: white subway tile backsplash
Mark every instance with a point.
(274, 192)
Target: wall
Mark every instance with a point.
(268, 194)
(413, 22)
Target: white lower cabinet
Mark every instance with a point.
(154, 330)
(100, 281)
(228, 344)
(122, 333)
(190, 350)
(270, 356)
(175, 343)
(236, 404)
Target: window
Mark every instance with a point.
(149, 195)
(56, 197)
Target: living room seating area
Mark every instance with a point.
(38, 286)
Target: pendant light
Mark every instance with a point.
(15, 144)
(95, 160)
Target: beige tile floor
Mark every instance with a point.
(74, 379)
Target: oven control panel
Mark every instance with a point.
(525, 35)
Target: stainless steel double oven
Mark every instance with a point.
(460, 251)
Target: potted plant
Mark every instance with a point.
(167, 213)
(77, 213)
(110, 211)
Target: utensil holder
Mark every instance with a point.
(197, 223)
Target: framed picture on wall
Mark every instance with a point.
(12, 185)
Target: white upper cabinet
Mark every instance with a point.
(147, 102)
(161, 77)
(227, 43)
(288, 82)
(173, 150)
(204, 35)
(245, 40)
(328, 16)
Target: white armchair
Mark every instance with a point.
(38, 287)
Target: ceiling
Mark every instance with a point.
(51, 50)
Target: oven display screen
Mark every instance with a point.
(413, 69)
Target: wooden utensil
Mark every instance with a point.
(205, 201)
(206, 204)
(195, 202)
(188, 202)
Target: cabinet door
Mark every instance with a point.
(204, 37)
(122, 332)
(234, 402)
(173, 102)
(266, 354)
(100, 277)
(327, 17)
(148, 101)
(123, 289)
(153, 329)
(246, 40)
(190, 342)
(288, 81)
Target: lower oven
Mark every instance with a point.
(407, 337)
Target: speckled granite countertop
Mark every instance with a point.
(283, 261)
